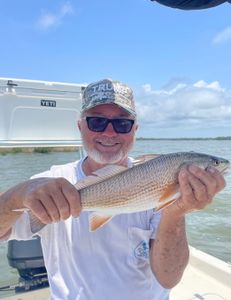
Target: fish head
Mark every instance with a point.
(205, 161)
(221, 164)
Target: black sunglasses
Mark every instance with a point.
(99, 124)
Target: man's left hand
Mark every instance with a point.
(198, 188)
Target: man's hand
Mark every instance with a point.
(49, 199)
(198, 188)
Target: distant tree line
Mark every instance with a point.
(185, 138)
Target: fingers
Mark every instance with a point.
(187, 201)
(205, 180)
(198, 186)
(52, 199)
(61, 203)
(221, 183)
(73, 196)
(40, 212)
(202, 183)
(211, 178)
(184, 184)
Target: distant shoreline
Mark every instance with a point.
(16, 150)
(219, 138)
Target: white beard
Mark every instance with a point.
(107, 158)
(103, 159)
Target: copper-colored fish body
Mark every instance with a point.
(150, 184)
(145, 186)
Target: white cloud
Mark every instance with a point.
(223, 36)
(185, 106)
(66, 9)
(48, 20)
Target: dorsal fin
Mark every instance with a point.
(100, 175)
(143, 158)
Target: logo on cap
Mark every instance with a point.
(108, 91)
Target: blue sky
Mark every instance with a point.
(178, 62)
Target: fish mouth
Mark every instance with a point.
(225, 167)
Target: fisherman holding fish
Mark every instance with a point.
(103, 232)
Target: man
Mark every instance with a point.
(134, 256)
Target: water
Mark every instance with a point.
(208, 230)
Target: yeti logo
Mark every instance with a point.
(48, 103)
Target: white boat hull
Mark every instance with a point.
(205, 278)
(38, 113)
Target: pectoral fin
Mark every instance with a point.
(97, 220)
(170, 194)
(165, 205)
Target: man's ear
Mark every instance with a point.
(136, 126)
(79, 124)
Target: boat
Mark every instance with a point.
(51, 110)
(205, 278)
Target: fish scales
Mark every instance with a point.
(149, 184)
(142, 184)
(139, 184)
(116, 191)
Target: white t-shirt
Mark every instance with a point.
(109, 264)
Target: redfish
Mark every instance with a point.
(151, 183)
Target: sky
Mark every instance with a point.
(177, 62)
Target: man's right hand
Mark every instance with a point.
(49, 199)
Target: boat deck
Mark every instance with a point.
(205, 278)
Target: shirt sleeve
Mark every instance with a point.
(43, 174)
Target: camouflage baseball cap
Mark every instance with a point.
(108, 91)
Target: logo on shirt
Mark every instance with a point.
(142, 250)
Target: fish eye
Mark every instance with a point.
(216, 162)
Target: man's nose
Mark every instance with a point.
(109, 130)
